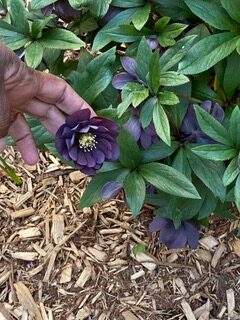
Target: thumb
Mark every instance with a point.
(4, 109)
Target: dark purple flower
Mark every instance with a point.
(88, 142)
(129, 75)
(186, 234)
(62, 9)
(111, 189)
(190, 129)
(144, 136)
(153, 43)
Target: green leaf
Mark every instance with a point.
(39, 4)
(209, 172)
(168, 98)
(102, 38)
(92, 194)
(135, 190)
(10, 171)
(11, 37)
(216, 152)
(40, 134)
(208, 52)
(127, 33)
(231, 172)
(234, 127)
(33, 54)
(128, 3)
(138, 248)
(175, 54)
(132, 93)
(144, 54)
(141, 15)
(18, 15)
(212, 13)
(237, 193)
(161, 123)
(181, 163)
(233, 8)
(212, 127)
(231, 78)
(172, 78)
(158, 151)
(146, 113)
(130, 155)
(38, 25)
(154, 72)
(99, 8)
(173, 30)
(61, 39)
(168, 180)
(161, 24)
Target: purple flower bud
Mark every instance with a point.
(190, 129)
(88, 142)
(186, 234)
(153, 43)
(111, 189)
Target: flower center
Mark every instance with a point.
(87, 141)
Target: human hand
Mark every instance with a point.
(44, 96)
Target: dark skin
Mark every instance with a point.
(39, 94)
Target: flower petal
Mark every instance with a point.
(129, 64)
(119, 80)
(145, 140)
(81, 158)
(110, 190)
(218, 112)
(207, 105)
(133, 126)
(98, 155)
(73, 153)
(90, 159)
(74, 119)
(173, 238)
(192, 232)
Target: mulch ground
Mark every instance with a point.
(59, 262)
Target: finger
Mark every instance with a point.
(48, 114)
(56, 91)
(4, 108)
(3, 142)
(22, 135)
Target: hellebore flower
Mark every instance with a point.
(111, 189)
(88, 142)
(129, 75)
(144, 136)
(190, 129)
(62, 9)
(186, 234)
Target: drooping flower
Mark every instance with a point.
(186, 234)
(88, 142)
(129, 75)
(111, 189)
(190, 129)
(144, 136)
(62, 9)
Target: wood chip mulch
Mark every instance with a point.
(59, 262)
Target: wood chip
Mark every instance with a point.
(128, 315)
(208, 242)
(236, 247)
(22, 213)
(145, 259)
(76, 176)
(84, 277)
(137, 275)
(57, 228)
(83, 313)
(26, 300)
(187, 310)
(98, 254)
(230, 302)
(66, 274)
(29, 233)
(27, 256)
(4, 276)
(217, 255)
